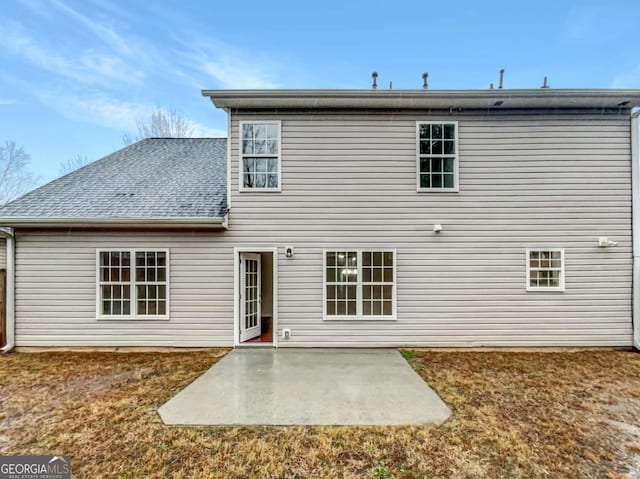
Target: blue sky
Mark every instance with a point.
(75, 75)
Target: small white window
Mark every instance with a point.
(545, 270)
(437, 156)
(133, 284)
(359, 284)
(260, 156)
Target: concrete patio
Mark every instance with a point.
(259, 386)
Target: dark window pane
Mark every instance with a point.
(341, 308)
(425, 165)
(425, 181)
(388, 275)
(449, 131)
(106, 292)
(272, 181)
(162, 308)
(366, 308)
(117, 307)
(388, 258)
(142, 292)
(436, 131)
(152, 291)
(106, 307)
(115, 274)
(142, 307)
(377, 258)
(387, 292)
(104, 259)
(115, 258)
(126, 307)
(247, 181)
(449, 164)
(104, 274)
(151, 308)
(366, 258)
(436, 147)
(126, 274)
(126, 292)
(449, 147)
(162, 274)
(151, 274)
(331, 258)
(425, 147)
(366, 292)
(351, 308)
(140, 274)
(377, 308)
(366, 274)
(331, 275)
(162, 258)
(139, 259)
(448, 180)
(436, 181)
(424, 131)
(386, 308)
(331, 292)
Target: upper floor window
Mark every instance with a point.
(260, 157)
(437, 156)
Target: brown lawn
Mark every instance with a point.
(515, 415)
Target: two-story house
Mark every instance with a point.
(343, 218)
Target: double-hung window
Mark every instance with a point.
(545, 270)
(359, 284)
(437, 155)
(260, 156)
(133, 284)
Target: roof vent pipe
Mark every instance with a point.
(490, 86)
(390, 85)
(425, 81)
(374, 77)
(544, 83)
(501, 77)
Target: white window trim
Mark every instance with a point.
(134, 316)
(241, 187)
(456, 168)
(557, 289)
(359, 316)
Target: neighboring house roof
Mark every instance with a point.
(427, 99)
(166, 180)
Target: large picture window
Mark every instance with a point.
(260, 156)
(359, 284)
(437, 156)
(133, 284)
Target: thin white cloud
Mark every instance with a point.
(203, 131)
(7, 101)
(89, 66)
(233, 73)
(630, 79)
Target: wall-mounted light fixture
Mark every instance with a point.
(288, 251)
(437, 228)
(604, 242)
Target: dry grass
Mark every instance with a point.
(515, 415)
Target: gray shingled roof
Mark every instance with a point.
(153, 178)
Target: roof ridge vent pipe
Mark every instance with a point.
(635, 223)
(374, 78)
(10, 317)
(390, 85)
(490, 86)
(425, 81)
(544, 83)
(501, 78)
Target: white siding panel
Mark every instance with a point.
(56, 291)
(349, 180)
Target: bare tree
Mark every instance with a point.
(162, 124)
(72, 164)
(15, 176)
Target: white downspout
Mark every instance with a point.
(10, 290)
(635, 213)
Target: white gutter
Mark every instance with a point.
(155, 222)
(10, 290)
(635, 195)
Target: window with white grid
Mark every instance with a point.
(260, 156)
(114, 283)
(359, 284)
(437, 156)
(151, 283)
(133, 284)
(545, 270)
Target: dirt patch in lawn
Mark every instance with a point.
(515, 415)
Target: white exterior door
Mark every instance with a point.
(250, 299)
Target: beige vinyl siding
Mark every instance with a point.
(3, 253)
(349, 181)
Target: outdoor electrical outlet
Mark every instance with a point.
(286, 334)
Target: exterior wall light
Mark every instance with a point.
(288, 251)
(437, 228)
